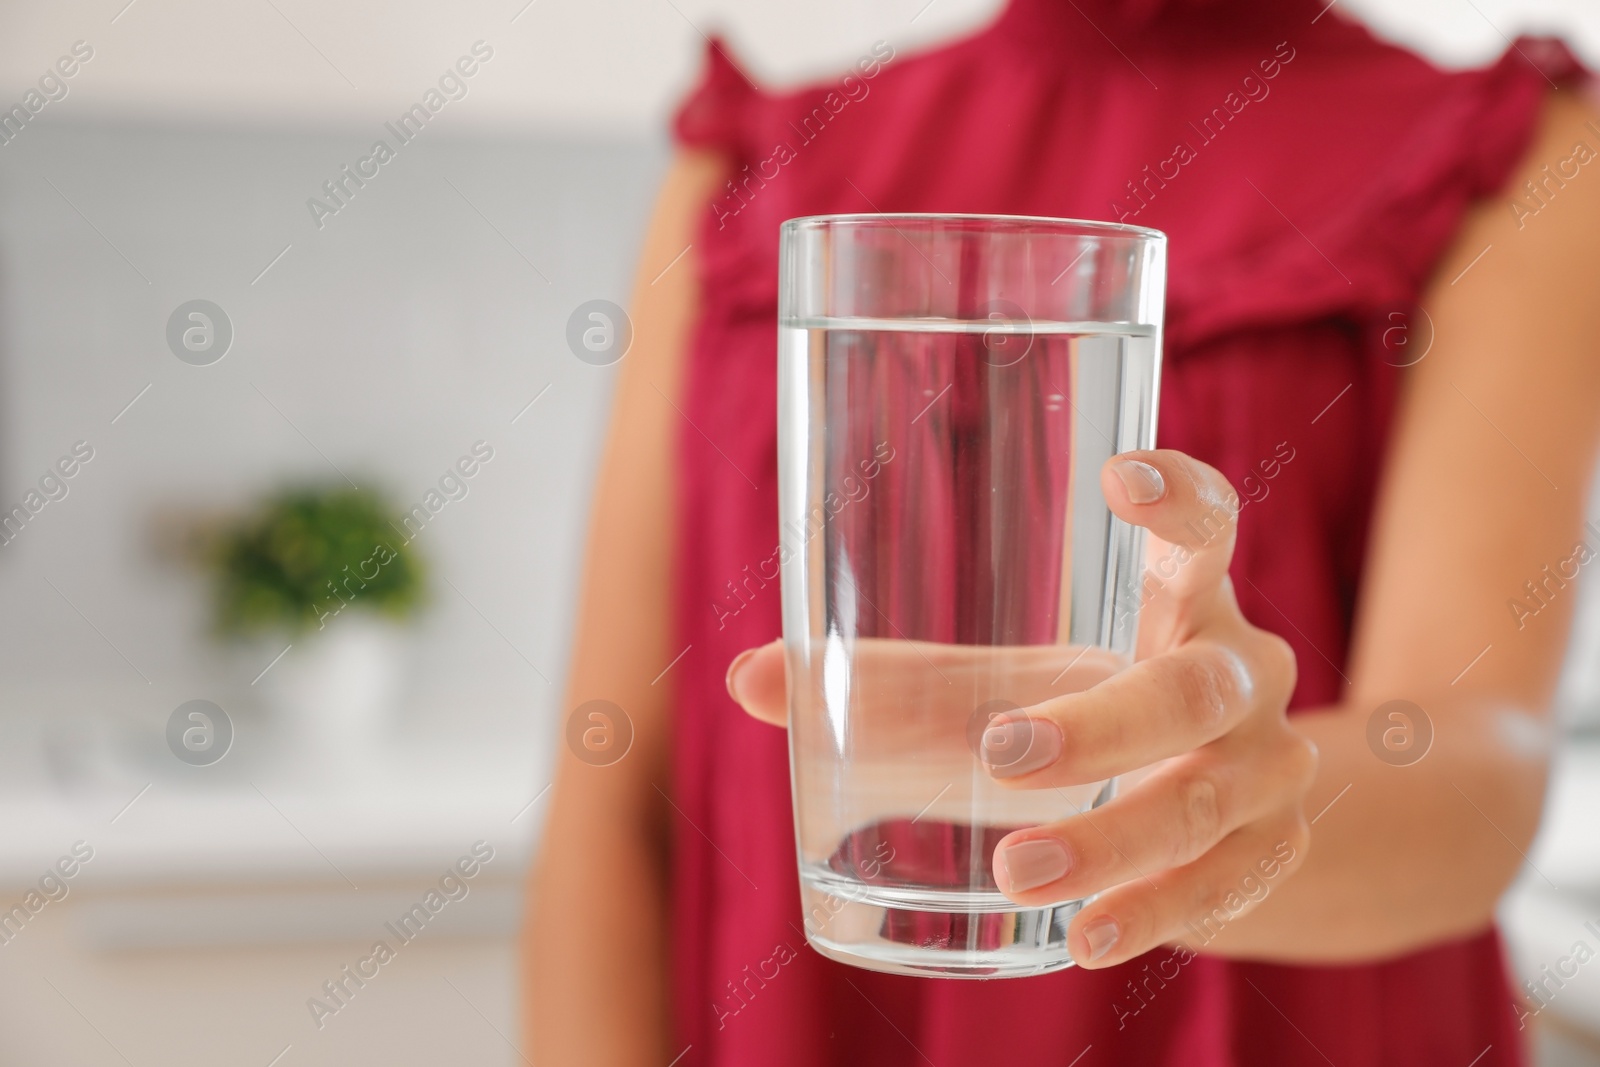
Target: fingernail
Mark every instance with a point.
(1143, 482)
(1021, 746)
(1030, 864)
(733, 671)
(1102, 936)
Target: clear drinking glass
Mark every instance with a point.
(949, 388)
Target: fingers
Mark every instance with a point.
(1187, 504)
(1161, 707)
(1169, 820)
(757, 683)
(915, 693)
(898, 686)
(1192, 904)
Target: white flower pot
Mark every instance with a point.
(335, 694)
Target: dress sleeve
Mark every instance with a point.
(1464, 152)
(715, 113)
(1377, 250)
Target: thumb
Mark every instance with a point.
(757, 683)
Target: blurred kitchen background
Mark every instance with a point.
(419, 332)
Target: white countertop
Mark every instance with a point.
(268, 812)
(274, 843)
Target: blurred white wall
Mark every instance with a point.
(595, 66)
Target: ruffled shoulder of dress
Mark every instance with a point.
(1375, 251)
(713, 114)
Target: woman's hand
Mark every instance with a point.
(1219, 813)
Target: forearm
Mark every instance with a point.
(594, 954)
(1401, 856)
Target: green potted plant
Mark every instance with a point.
(320, 579)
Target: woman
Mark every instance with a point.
(1379, 270)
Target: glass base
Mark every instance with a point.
(932, 933)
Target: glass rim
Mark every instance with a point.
(1062, 226)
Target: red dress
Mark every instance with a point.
(1310, 177)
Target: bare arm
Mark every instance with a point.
(1486, 485)
(594, 950)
